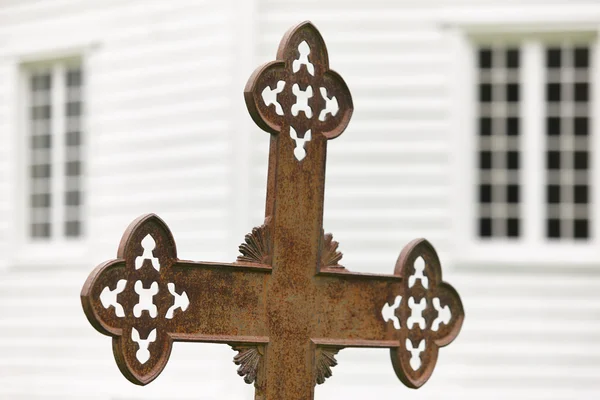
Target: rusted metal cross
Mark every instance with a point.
(286, 305)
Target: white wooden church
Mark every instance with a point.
(474, 126)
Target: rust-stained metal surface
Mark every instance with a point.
(286, 305)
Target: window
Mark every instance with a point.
(567, 115)
(529, 120)
(54, 111)
(499, 145)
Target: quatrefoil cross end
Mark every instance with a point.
(298, 90)
(136, 299)
(430, 318)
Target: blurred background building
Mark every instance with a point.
(474, 127)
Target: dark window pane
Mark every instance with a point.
(580, 194)
(485, 58)
(40, 82)
(73, 109)
(485, 227)
(512, 126)
(512, 227)
(553, 160)
(74, 78)
(33, 230)
(582, 57)
(581, 126)
(485, 126)
(72, 228)
(485, 193)
(73, 168)
(41, 112)
(581, 92)
(40, 171)
(580, 160)
(485, 159)
(40, 230)
(73, 198)
(40, 200)
(512, 58)
(512, 160)
(41, 141)
(512, 194)
(553, 229)
(553, 58)
(553, 194)
(553, 126)
(73, 138)
(553, 91)
(485, 92)
(512, 92)
(580, 229)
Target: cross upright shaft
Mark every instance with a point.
(301, 299)
(286, 305)
(294, 208)
(305, 308)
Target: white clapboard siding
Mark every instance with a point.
(530, 332)
(160, 136)
(160, 101)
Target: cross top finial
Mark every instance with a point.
(297, 94)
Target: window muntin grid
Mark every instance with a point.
(567, 141)
(40, 151)
(498, 142)
(55, 154)
(73, 152)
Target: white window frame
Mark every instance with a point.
(532, 247)
(58, 249)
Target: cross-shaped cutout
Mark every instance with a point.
(286, 305)
(416, 316)
(146, 299)
(302, 97)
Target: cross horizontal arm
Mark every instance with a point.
(348, 309)
(227, 302)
